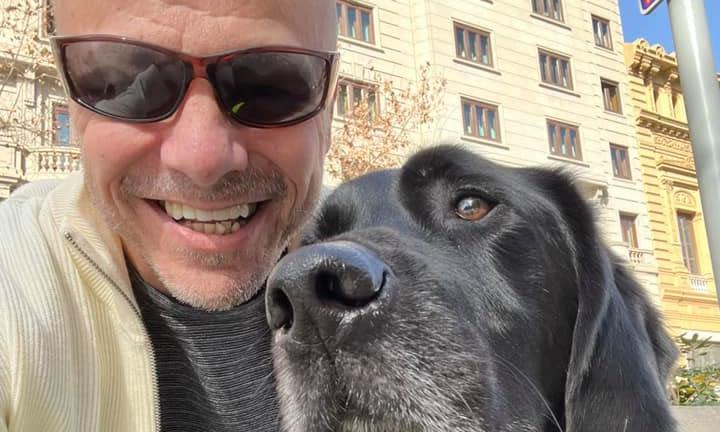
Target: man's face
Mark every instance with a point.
(198, 160)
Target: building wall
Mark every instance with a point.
(29, 93)
(409, 33)
(689, 301)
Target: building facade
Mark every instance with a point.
(529, 82)
(35, 140)
(676, 219)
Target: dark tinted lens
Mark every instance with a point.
(124, 80)
(271, 87)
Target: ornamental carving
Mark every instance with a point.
(686, 163)
(662, 141)
(684, 199)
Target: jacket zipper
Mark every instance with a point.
(148, 344)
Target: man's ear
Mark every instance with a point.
(621, 355)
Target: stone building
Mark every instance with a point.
(676, 219)
(530, 82)
(35, 140)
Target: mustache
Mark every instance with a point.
(249, 182)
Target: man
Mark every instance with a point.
(129, 295)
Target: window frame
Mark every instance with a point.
(547, 78)
(58, 108)
(621, 167)
(47, 20)
(597, 37)
(351, 103)
(342, 21)
(474, 130)
(478, 50)
(538, 8)
(688, 249)
(632, 243)
(559, 124)
(607, 101)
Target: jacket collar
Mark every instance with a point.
(95, 248)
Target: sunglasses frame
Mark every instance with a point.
(196, 67)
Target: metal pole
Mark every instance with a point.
(702, 104)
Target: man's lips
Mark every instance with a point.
(222, 221)
(210, 236)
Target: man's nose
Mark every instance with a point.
(203, 143)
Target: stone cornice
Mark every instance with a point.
(684, 167)
(23, 62)
(664, 125)
(652, 61)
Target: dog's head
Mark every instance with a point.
(458, 295)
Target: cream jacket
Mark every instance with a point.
(74, 354)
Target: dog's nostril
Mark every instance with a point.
(348, 285)
(327, 286)
(280, 310)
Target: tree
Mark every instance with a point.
(373, 137)
(692, 385)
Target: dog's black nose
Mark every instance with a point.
(321, 285)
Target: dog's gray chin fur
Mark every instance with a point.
(416, 405)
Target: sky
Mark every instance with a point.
(655, 28)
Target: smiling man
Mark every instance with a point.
(129, 294)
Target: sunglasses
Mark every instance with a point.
(134, 81)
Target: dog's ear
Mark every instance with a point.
(621, 354)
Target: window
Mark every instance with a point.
(48, 19)
(687, 241)
(620, 161)
(473, 45)
(351, 94)
(61, 126)
(656, 98)
(555, 70)
(480, 120)
(601, 29)
(611, 96)
(355, 21)
(548, 8)
(629, 234)
(564, 140)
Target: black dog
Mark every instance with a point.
(458, 295)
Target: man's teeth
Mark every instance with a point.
(227, 227)
(221, 221)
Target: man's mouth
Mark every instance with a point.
(219, 222)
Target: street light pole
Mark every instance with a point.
(702, 104)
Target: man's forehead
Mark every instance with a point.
(204, 27)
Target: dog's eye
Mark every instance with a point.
(472, 208)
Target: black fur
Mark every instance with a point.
(521, 321)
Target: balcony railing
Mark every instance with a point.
(52, 162)
(698, 284)
(635, 256)
(639, 256)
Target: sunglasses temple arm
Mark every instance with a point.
(334, 77)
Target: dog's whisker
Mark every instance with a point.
(517, 372)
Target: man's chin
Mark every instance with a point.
(211, 282)
(212, 291)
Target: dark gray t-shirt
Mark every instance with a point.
(214, 369)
